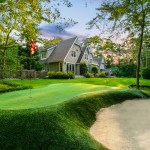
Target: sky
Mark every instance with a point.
(82, 12)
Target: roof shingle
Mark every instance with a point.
(60, 52)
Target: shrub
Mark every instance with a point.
(146, 73)
(83, 68)
(7, 86)
(94, 70)
(100, 75)
(71, 75)
(89, 75)
(60, 75)
(51, 74)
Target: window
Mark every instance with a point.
(43, 67)
(43, 56)
(60, 67)
(90, 60)
(70, 67)
(86, 56)
(73, 53)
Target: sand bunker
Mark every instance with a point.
(124, 126)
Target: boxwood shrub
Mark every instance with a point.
(89, 75)
(100, 75)
(60, 75)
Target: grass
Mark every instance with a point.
(8, 86)
(48, 95)
(60, 112)
(63, 127)
(117, 82)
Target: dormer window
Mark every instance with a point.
(43, 55)
(73, 53)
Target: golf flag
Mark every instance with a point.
(32, 47)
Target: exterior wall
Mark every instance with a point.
(53, 67)
(77, 69)
(102, 66)
(90, 57)
(48, 52)
(70, 62)
(90, 61)
(83, 58)
(69, 58)
(64, 67)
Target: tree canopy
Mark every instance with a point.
(131, 16)
(20, 20)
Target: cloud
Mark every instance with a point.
(59, 31)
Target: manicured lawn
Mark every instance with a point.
(47, 95)
(60, 112)
(60, 127)
(118, 82)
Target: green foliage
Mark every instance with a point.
(83, 68)
(51, 42)
(146, 73)
(71, 75)
(22, 18)
(96, 43)
(26, 60)
(126, 70)
(89, 75)
(109, 61)
(112, 82)
(59, 127)
(6, 86)
(60, 75)
(100, 75)
(94, 70)
(131, 16)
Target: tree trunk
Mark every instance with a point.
(139, 56)
(5, 49)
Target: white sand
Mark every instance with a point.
(124, 126)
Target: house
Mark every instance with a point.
(88, 57)
(67, 56)
(101, 63)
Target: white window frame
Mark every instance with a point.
(42, 55)
(73, 54)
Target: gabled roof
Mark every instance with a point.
(61, 50)
(81, 55)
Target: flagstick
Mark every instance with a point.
(30, 75)
(32, 51)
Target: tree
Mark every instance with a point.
(27, 61)
(95, 43)
(94, 70)
(51, 42)
(83, 68)
(22, 18)
(132, 16)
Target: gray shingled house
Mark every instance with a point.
(66, 56)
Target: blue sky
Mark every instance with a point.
(80, 12)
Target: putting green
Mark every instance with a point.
(45, 96)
